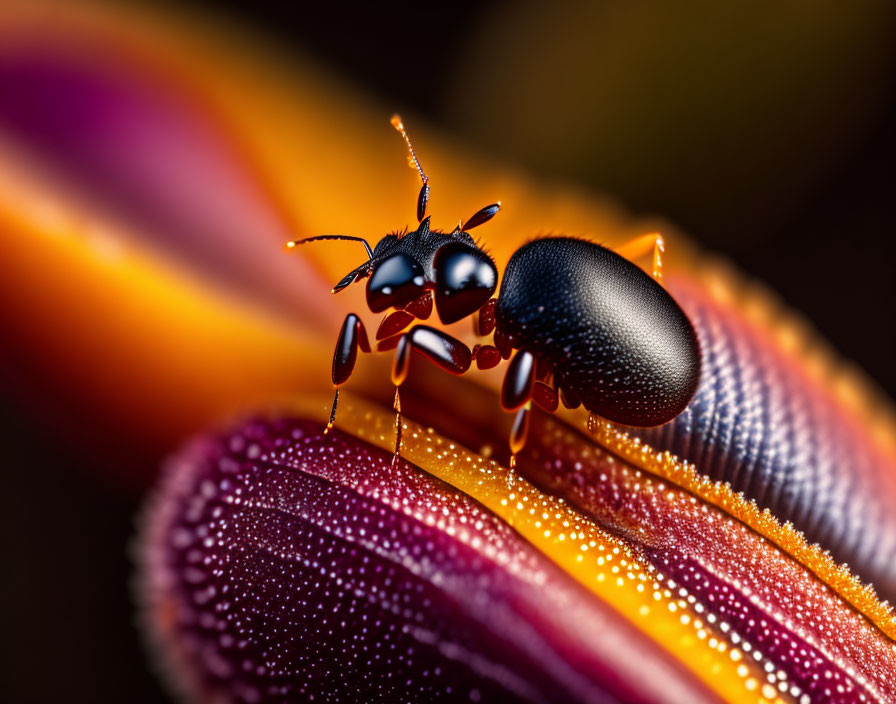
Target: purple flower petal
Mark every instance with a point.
(282, 564)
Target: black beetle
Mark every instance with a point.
(589, 326)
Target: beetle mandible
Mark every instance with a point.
(579, 322)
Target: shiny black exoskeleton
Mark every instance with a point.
(613, 337)
(404, 268)
(588, 326)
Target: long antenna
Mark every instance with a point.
(423, 198)
(399, 125)
(333, 237)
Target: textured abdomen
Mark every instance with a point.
(615, 337)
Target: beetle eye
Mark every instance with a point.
(465, 279)
(395, 282)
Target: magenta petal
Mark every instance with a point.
(146, 152)
(279, 564)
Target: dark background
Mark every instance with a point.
(826, 247)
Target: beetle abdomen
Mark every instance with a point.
(615, 337)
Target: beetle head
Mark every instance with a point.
(466, 277)
(396, 281)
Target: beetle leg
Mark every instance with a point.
(421, 307)
(396, 405)
(393, 324)
(484, 318)
(645, 245)
(569, 398)
(351, 337)
(519, 431)
(503, 343)
(400, 366)
(486, 356)
(516, 393)
(518, 381)
(438, 347)
(545, 396)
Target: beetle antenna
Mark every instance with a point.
(355, 274)
(482, 216)
(423, 198)
(333, 237)
(399, 125)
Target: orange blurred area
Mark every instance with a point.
(105, 310)
(156, 158)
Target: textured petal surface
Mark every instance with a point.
(256, 548)
(765, 603)
(773, 426)
(279, 563)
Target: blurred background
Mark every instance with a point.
(764, 130)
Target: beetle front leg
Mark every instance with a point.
(351, 337)
(400, 365)
(652, 244)
(484, 318)
(438, 347)
(519, 431)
